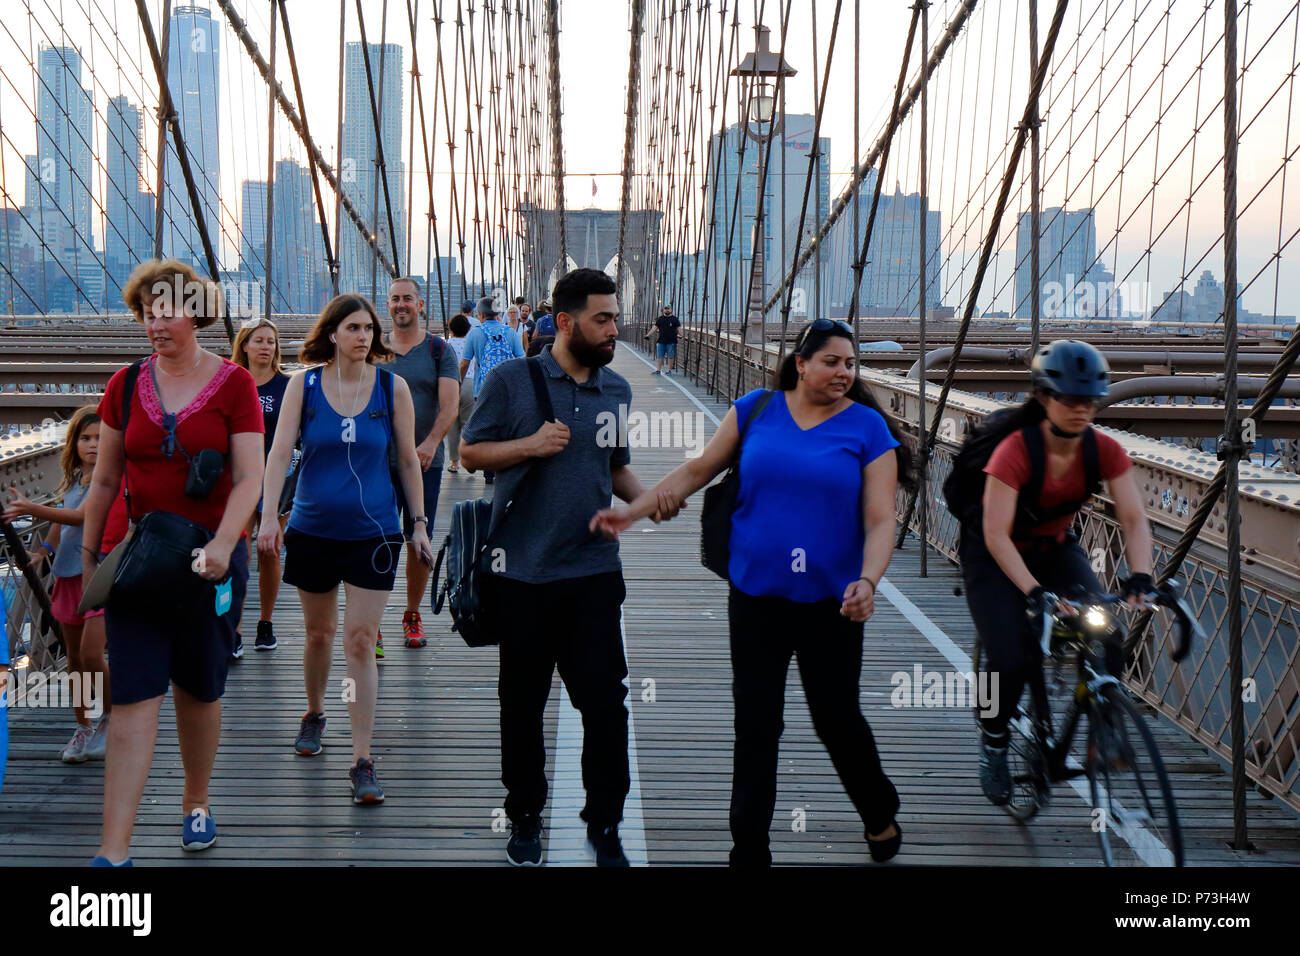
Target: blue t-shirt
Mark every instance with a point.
(797, 529)
(67, 562)
(545, 324)
(345, 491)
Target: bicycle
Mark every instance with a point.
(1128, 785)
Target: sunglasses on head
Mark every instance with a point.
(256, 321)
(819, 325)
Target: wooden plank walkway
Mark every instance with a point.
(438, 755)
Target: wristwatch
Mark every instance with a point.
(423, 518)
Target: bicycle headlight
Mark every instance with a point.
(1096, 617)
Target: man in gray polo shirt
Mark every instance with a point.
(553, 589)
(430, 369)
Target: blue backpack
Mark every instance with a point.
(498, 348)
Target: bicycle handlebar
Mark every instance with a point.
(1168, 595)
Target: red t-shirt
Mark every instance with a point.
(115, 524)
(1009, 464)
(227, 405)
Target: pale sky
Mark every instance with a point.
(975, 101)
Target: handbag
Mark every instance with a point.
(153, 562)
(720, 504)
(470, 536)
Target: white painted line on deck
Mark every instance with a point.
(678, 385)
(566, 839)
(1149, 847)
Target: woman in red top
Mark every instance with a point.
(186, 399)
(1009, 566)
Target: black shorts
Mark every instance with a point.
(317, 565)
(157, 644)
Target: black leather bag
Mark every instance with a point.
(157, 564)
(720, 504)
(468, 540)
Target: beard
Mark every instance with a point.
(587, 353)
(404, 320)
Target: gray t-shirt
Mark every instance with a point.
(417, 367)
(67, 562)
(546, 537)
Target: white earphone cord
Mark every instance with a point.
(361, 491)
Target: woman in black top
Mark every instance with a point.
(257, 348)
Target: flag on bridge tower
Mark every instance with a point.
(593, 186)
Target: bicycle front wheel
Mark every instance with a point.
(1133, 804)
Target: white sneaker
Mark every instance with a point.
(75, 751)
(98, 744)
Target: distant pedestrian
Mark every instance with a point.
(459, 331)
(257, 348)
(666, 347)
(488, 345)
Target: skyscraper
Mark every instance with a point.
(789, 164)
(193, 62)
(252, 230)
(297, 275)
(360, 166)
(63, 155)
(892, 273)
(128, 229)
(1067, 262)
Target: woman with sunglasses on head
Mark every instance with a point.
(188, 408)
(344, 525)
(806, 554)
(257, 348)
(1015, 550)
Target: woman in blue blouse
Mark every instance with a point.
(807, 549)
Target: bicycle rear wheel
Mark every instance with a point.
(1133, 803)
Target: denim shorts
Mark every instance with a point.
(666, 351)
(154, 645)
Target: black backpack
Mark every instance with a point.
(963, 491)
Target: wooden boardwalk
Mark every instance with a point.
(438, 758)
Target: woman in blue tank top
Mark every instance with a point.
(344, 525)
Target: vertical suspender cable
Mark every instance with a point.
(1035, 194)
(331, 260)
(557, 140)
(162, 141)
(1230, 446)
(268, 257)
(629, 135)
(923, 213)
(169, 113)
(338, 159)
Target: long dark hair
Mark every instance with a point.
(786, 378)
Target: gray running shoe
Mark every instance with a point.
(365, 788)
(309, 733)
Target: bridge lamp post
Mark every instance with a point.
(758, 73)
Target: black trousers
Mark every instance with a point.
(998, 608)
(765, 633)
(572, 625)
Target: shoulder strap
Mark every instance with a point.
(437, 345)
(540, 391)
(308, 398)
(386, 387)
(128, 392)
(1091, 463)
(1034, 445)
(759, 404)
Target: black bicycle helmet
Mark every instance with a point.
(1070, 367)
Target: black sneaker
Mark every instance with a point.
(238, 652)
(365, 788)
(608, 847)
(309, 733)
(995, 777)
(265, 637)
(525, 846)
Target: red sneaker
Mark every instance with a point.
(413, 629)
(379, 645)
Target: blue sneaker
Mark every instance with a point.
(105, 861)
(199, 832)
